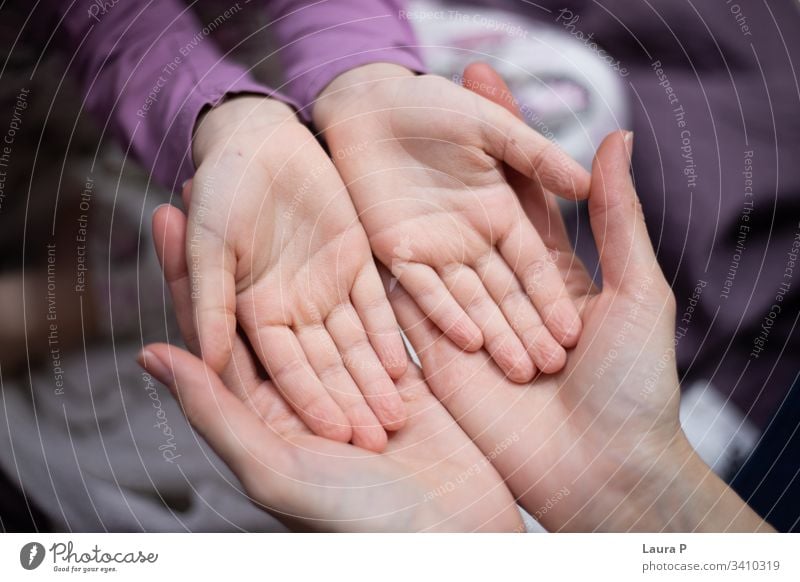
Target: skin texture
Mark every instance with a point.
(273, 244)
(431, 187)
(315, 483)
(599, 445)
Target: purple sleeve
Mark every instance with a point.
(147, 70)
(319, 40)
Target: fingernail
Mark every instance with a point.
(573, 331)
(157, 208)
(155, 367)
(629, 143)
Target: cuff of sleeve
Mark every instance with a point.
(305, 87)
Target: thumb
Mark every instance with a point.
(483, 80)
(540, 206)
(169, 234)
(186, 193)
(214, 302)
(508, 138)
(212, 265)
(214, 411)
(626, 254)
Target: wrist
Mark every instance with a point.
(666, 482)
(217, 125)
(678, 492)
(700, 501)
(367, 85)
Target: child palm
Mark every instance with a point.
(432, 192)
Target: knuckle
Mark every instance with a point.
(289, 369)
(356, 349)
(391, 407)
(331, 372)
(480, 303)
(377, 305)
(534, 334)
(535, 275)
(426, 292)
(516, 298)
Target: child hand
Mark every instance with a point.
(430, 188)
(273, 243)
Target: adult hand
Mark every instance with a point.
(598, 446)
(429, 186)
(274, 243)
(430, 477)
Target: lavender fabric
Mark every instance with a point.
(149, 68)
(319, 40)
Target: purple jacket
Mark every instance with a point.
(148, 69)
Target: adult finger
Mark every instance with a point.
(483, 80)
(169, 236)
(221, 418)
(186, 193)
(626, 254)
(212, 265)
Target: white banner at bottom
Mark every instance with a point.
(400, 557)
